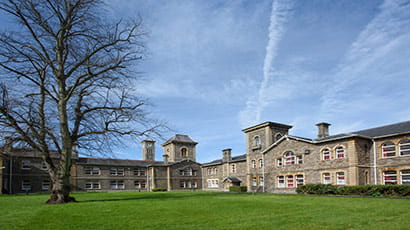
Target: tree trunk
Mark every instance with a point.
(60, 192)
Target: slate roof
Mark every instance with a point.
(181, 139)
(219, 161)
(386, 130)
(117, 162)
(232, 179)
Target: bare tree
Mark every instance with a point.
(67, 76)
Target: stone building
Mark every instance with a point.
(278, 162)
(275, 161)
(24, 171)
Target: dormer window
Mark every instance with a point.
(257, 141)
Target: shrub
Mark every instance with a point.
(362, 190)
(238, 189)
(159, 189)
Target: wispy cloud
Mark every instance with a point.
(256, 103)
(362, 68)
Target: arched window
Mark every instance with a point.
(290, 158)
(388, 149)
(340, 152)
(257, 141)
(184, 152)
(404, 147)
(326, 154)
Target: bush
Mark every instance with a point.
(159, 189)
(238, 189)
(362, 190)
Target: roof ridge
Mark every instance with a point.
(377, 127)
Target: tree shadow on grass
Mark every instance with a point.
(151, 196)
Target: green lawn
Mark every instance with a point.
(202, 210)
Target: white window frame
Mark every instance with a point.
(290, 178)
(261, 181)
(260, 163)
(254, 164)
(390, 177)
(388, 149)
(92, 185)
(326, 178)
(405, 173)
(26, 185)
(117, 171)
(340, 150)
(281, 181)
(257, 140)
(300, 180)
(290, 158)
(45, 185)
(299, 159)
(117, 184)
(326, 152)
(340, 178)
(254, 181)
(404, 146)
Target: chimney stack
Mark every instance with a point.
(226, 155)
(323, 129)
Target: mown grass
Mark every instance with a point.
(202, 210)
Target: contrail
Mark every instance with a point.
(281, 9)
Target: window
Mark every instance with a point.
(299, 159)
(253, 164)
(299, 180)
(257, 141)
(326, 178)
(92, 185)
(404, 147)
(389, 149)
(43, 165)
(254, 183)
(261, 181)
(92, 170)
(260, 163)
(187, 172)
(117, 171)
(405, 176)
(209, 171)
(194, 184)
(326, 154)
(25, 164)
(289, 181)
(185, 184)
(117, 184)
(233, 168)
(340, 152)
(281, 181)
(139, 184)
(390, 177)
(278, 136)
(139, 171)
(340, 176)
(45, 185)
(213, 183)
(290, 158)
(279, 162)
(26, 185)
(184, 152)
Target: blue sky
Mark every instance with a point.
(216, 67)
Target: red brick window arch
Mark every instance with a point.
(388, 149)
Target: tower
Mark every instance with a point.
(180, 147)
(148, 150)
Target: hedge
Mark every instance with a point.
(362, 190)
(238, 189)
(159, 189)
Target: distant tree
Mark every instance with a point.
(67, 81)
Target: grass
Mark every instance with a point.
(202, 210)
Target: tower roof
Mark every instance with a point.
(180, 138)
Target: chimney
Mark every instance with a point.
(323, 129)
(165, 156)
(226, 153)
